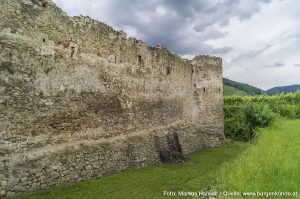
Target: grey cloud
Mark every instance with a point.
(278, 64)
(252, 53)
(183, 28)
(275, 64)
(297, 65)
(221, 12)
(222, 50)
(210, 33)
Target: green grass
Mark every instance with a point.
(149, 182)
(229, 91)
(272, 164)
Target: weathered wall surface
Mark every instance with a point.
(80, 100)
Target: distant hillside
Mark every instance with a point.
(284, 89)
(236, 88)
(229, 90)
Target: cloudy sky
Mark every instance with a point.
(259, 40)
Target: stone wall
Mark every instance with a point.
(80, 100)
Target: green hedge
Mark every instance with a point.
(244, 114)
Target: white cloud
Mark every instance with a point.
(270, 38)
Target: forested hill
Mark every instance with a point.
(284, 89)
(235, 88)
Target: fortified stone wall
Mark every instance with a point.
(79, 100)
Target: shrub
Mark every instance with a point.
(257, 115)
(244, 114)
(236, 130)
(298, 111)
(242, 124)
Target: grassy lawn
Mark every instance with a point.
(272, 164)
(150, 182)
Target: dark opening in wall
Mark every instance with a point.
(204, 89)
(72, 51)
(44, 5)
(193, 70)
(47, 70)
(13, 31)
(7, 65)
(170, 151)
(44, 40)
(168, 70)
(140, 60)
(219, 89)
(195, 85)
